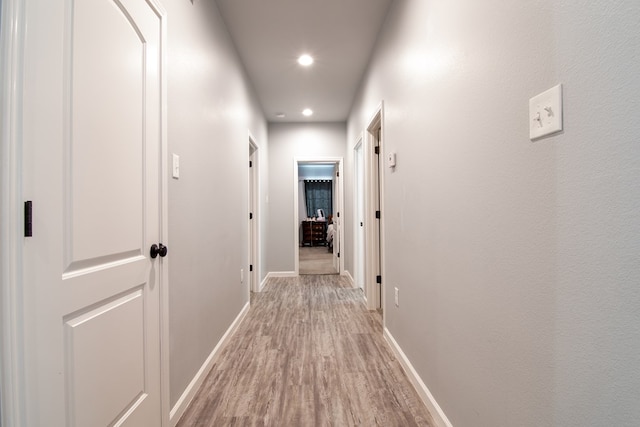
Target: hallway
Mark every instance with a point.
(308, 353)
(507, 260)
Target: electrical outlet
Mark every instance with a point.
(242, 275)
(397, 292)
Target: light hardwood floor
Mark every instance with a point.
(307, 354)
(316, 260)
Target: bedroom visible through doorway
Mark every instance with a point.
(317, 208)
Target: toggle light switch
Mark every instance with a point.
(176, 166)
(391, 160)
(545, 113)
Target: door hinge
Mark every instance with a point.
(377, 214)
(28, 219)
(338, 254)
(379, 279)
(250, 267)
(338, 214)
(337, 174)
(250, 164)
(377, 150)
(250, 215)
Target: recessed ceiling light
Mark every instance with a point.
(305, 60)
(307, 112)
(280, 115)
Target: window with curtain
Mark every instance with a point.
(319, 195)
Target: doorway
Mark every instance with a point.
(318, 234)
(359, 215)
(254, 217)
(368, 168)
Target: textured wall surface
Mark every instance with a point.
(211, 109)
(517, 261)
(286, 142)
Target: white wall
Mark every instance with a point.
(211, 108)
(517, 261)
(286, 142)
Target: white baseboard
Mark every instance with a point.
(281, 274)
(183, 403)
(349, 278)
(436, 411)
(264, 282)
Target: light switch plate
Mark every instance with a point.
(391, 160)
(545, 113)
(176, 166)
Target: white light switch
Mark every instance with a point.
(545, 113)
(391, 160)
(176, 166)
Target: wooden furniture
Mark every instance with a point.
(314, 233)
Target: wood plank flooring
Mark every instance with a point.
(307, 354)
(316, 260)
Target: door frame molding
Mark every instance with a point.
(12, 373)
(375, 299)
(165, 176)
(254, 250)
(357, 256)
(296, 220)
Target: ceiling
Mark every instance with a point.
(271, 34)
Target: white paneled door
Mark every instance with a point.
(92, 162)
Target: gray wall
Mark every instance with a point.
(286, 142)
(211, 109)
(517, 261)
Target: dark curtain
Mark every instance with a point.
(319, 195)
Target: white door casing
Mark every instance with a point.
(374, 197)
(11, 213)
(254, 222)
(359, 215)
(336, 219)
(337, 208)
(92, 166)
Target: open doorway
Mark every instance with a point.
(317, 206)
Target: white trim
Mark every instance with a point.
(340, 208)
(263, 283)
(254, 250)
(374, 298)
(12, 382)
(280, 274)
(358, 258)
(381, 172)
(296, 219)
(436, 411)
(359, 140)
(187, 396)
(165, 347)
(349, 277)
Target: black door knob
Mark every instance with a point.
(162, 250)
(158, 249)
